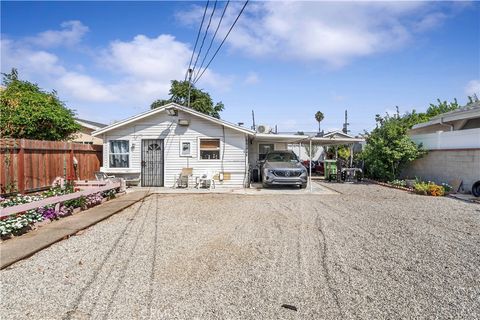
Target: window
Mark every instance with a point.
(264, 148)
(210, 149)
(119, 154)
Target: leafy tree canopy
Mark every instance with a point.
(319, 116)
(27, 112)
(199, 100)
(389, 148)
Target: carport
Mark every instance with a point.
(280, 142)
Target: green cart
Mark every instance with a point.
(330, 169)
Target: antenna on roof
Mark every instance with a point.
(346, 124)
(254, 127)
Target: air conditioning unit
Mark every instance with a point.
(263, 128)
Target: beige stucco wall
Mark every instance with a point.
(446, 166)
(84, 135)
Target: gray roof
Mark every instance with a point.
(92, 123)
(470, 111)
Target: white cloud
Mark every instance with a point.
(134, 74)
(252, 78)
(150, 58)
(72, 33)
(334, 33)
(46, 69)
(473, 87)
(85, 88)
(430, 21)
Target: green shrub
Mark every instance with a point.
(398, 183)
(421, 187)
(429, 188)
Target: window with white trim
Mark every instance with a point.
(209, 149)
(119, 154)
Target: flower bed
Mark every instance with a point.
(431, 189)
(419, 187)
(19, 223)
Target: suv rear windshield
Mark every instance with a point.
(281, 157)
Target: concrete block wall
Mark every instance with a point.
(446, 166)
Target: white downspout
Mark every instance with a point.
(446, 124)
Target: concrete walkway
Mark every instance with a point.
(255, 189)
(28, 244)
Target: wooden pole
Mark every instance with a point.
(21, 167)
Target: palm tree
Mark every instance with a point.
(319, 117)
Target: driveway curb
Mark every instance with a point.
(14, 250)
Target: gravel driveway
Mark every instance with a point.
(369, 252)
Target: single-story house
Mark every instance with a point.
(153, 147)
(453, 143)
(84, 135)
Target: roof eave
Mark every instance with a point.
(168, 106)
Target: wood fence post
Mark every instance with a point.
(21, 167)
(72, 167)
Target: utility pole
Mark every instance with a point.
(190, 71)
(253, 121)
(346, 124)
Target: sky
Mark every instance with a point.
(284, 60)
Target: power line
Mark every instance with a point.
(213, 38)
(205, 35)
(196, 41)
(223, 41)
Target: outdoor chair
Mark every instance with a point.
(183, 178)
(102, 176)
(206, 179)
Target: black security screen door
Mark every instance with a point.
(152, 163)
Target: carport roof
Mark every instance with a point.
(292, 138)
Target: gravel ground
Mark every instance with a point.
(369, 252)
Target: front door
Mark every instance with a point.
(152, 163)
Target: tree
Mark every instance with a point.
(199, 100)
(473, 99)
(389, 148)
(441, 107)
(319, 117)
(27, 112)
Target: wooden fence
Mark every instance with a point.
(31, 165)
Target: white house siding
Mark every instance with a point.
(460, 139)
(163, 126)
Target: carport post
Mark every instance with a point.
(310, 165)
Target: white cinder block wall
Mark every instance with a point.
(447, 166)
(163, 126)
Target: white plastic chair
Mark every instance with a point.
(207, 178)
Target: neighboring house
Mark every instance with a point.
(85, 133)
(152, 148)
(301, 148)
(453, 143)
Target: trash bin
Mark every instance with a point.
(330, 170)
